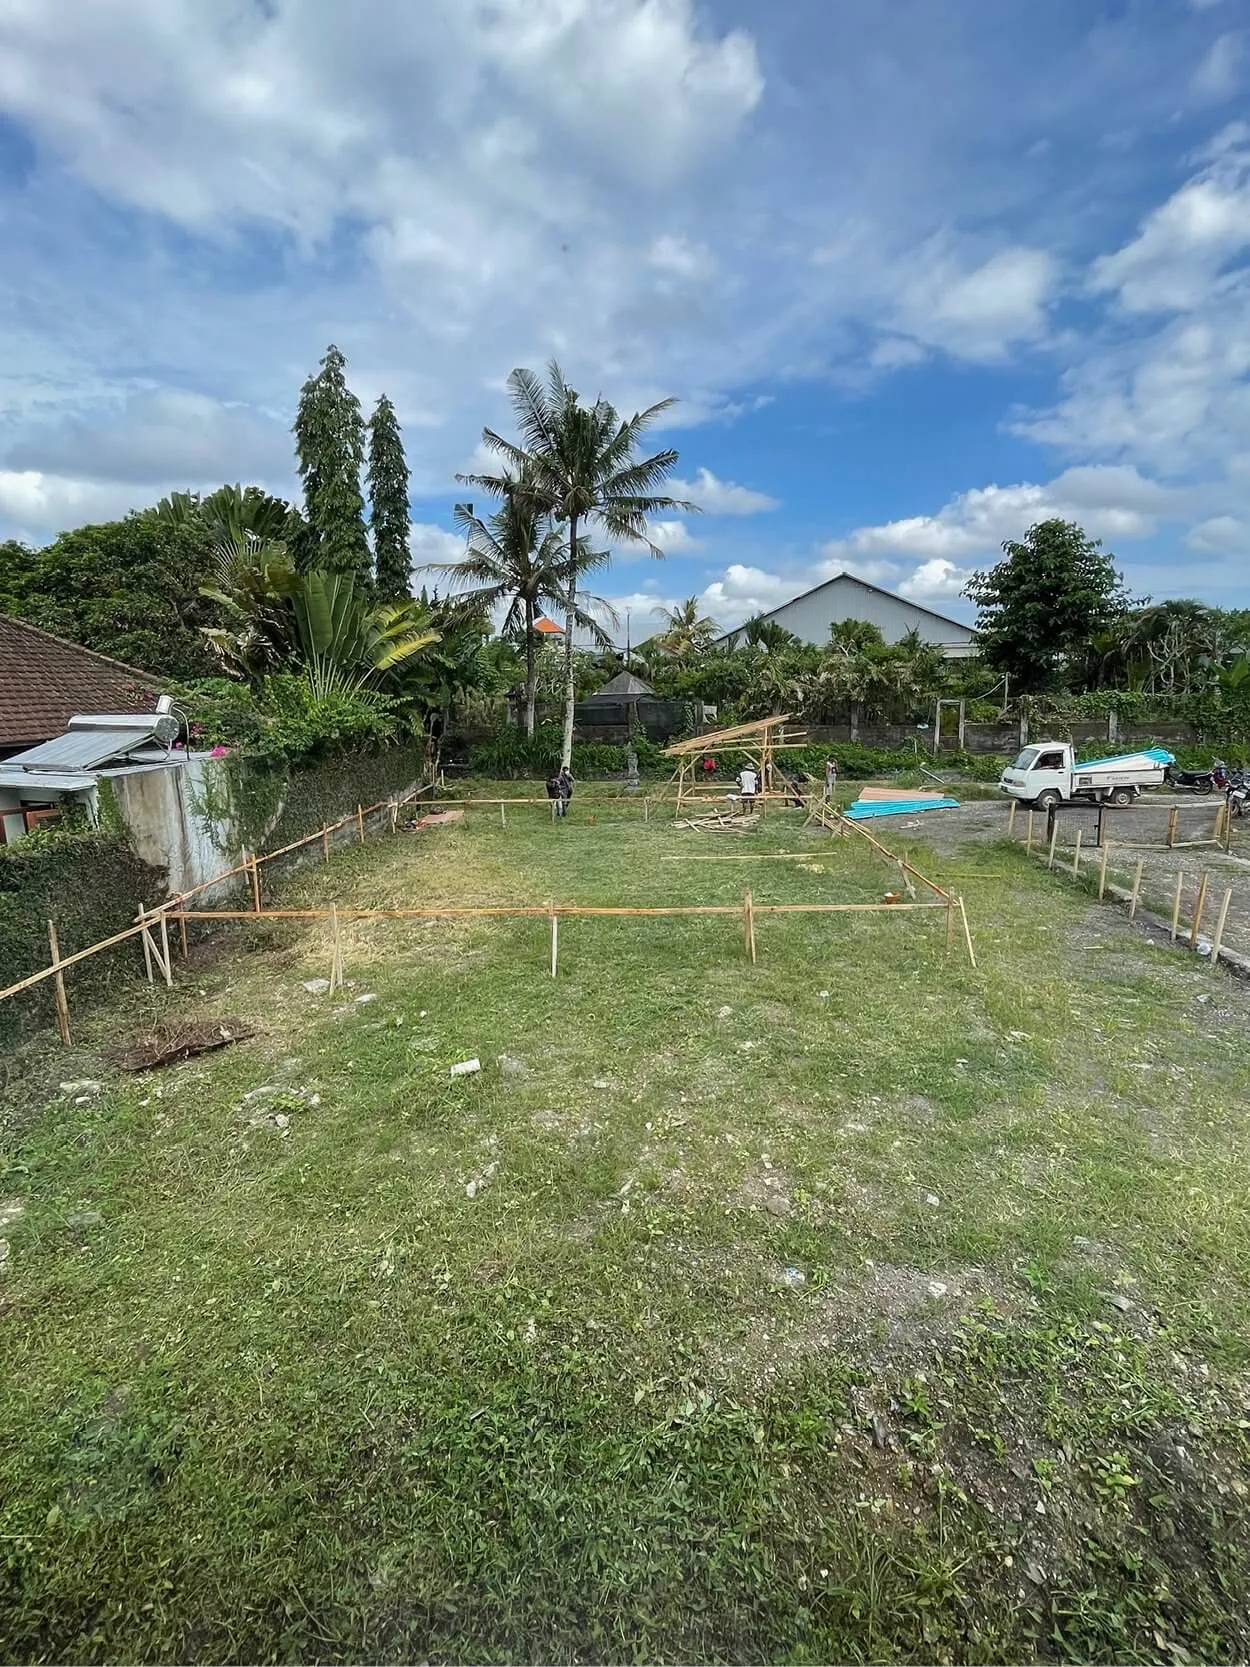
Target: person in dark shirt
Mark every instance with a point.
(564, 782)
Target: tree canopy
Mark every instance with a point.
(1039, 608)
(330, 442)
(388, 503)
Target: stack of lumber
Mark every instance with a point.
(721, 821)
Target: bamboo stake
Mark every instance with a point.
(1102, 871)
(963, 915)
(147, 945)
(34, 978)
(360, 823)
(1198, 908)
(950, 925)
(1076, 855)
(1132, 902)
(182, 934)
(555, 942)
(166, 967)
(336, 952)
(503, 816)
(531, 911)
(1176, 905)
(748, 909)
(646, 810)
(1028, 843)
(1173, 817)
(1011, 819)
(394, 814)
(1054, 835)
(1228, 825)
(325, 844)
(1218, 939)
(58, 988)
(255, 873)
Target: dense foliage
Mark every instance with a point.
(330, 441)
(388, 503)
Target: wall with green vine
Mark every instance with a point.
(91, 884)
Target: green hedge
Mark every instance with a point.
(91, 885)
(509, 755)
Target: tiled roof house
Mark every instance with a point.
(45, 681)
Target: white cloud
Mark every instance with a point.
(936, 580)
(682, 258)
(1219, 74)
(673, 537)
(743, 590)
(40, 505)
(976, 313)
(1220, 534)
(721, 497)
(430, 543)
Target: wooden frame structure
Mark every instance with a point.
(759, 740)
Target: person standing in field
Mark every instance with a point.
(565, 783)
(831, 776)
(748, 781)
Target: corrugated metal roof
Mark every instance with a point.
(82, 749)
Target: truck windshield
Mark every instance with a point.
(1025, 760)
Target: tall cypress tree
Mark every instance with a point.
(330, 440)
(388, 498)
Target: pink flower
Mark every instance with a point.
(219, 752)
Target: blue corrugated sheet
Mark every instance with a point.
(1159, 755)
(863, 809)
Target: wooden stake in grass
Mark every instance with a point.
(748, 925)
(1028, 842)
(963, 915)
(254, 873)
(166, 966)
(1220, 921)
(950, 926)
(336, 951)
(1198, 908)
(141, 917)
(555, 942)
(1054, 835)
(182, 934)
(325, 844)
(1011, 820)
(360, 823)
(1228, 825)
(394, 814)
(1076, 855)
(1176, 905)
(1173, 817)
(1102, 871)
(503, 816)
(1132, 902)
(58, 988)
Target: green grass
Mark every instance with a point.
(295, 1394)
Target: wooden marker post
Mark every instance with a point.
(555, 942)
(1176, 905)
(1228, 825)
(950, 925)
(963, 915)
(394, 814)
(1028, 842)
(325, 844)
(182, 934)
(503, 820)
(1054, 835)
(336, 951)
(1220, 921)
(166, 965)
(254, 873)
(58, 989)
(1102, 871)
(1076, 855)
(141, 917)
(1199, 906)
(360, 823)
(1132, 902)
(748, 925)
(1173, 818)
(1011, 820)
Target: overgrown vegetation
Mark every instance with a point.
(850, 1306)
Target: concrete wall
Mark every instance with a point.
(164, 813)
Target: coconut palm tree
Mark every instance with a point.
(583, 463)
(517, 556)
(686, 632)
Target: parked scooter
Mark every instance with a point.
(1190, 781)
(1238, 792)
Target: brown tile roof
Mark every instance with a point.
(45, 681)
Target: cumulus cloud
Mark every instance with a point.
(429, 543)
(936, 580)
(39, 505)
(721, 497)
(977, 313)
(1220, 534)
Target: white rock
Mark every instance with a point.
(724, 1012)
(466, 1068)
(281, 1120)
(932, 1198)
(471, 1190)
(600, 1082)
(84, 1086)
(317, 986)
(369, 995)
(824, 995)
(937, 1289)
(10, 1211)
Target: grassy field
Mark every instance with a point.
(855, 1305)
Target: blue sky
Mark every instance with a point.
(919, 273)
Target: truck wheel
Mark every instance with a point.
(1122, 796)
(1047, 800)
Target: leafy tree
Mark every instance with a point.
(687, 632)
(518, 557)
(584, 465)
(330, 440)
(1038, 610)
(130, 589)
(388, 503)
(767, 634)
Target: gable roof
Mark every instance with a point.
(548, 627)
(852, 579)
(45, 681)
(624, 686)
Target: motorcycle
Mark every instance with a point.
(1190, 781)
(1238, 792)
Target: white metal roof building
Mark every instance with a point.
(845, 597)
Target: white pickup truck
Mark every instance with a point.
(1047, 774)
